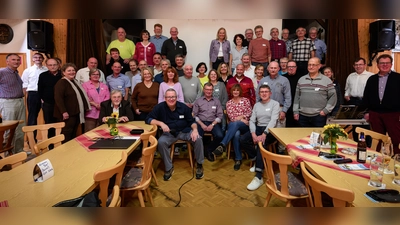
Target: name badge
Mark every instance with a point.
(213, 107)
(181, 116)
(119, 86)
(279, 44)
(192, 85)
(317, 89)
(241, 102)
(266, 83)
(180, 46)
(264, 45)
(216, 89)
(268, 109)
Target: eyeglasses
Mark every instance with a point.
(291, 67)
(313, 65)
(170, 97)
(384, 63)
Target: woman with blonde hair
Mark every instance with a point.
(259, 74)
(219, 49)
(223, 72)
(145, 95)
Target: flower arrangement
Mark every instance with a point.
(112, 121)
(331, 133)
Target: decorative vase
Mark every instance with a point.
(114, 129)
(334, 146)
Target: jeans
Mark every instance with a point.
(312, 121)
(235, 129)
(216, 132)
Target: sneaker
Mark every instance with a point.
(176, 151)
(210, 157)
(253, 168)
(199, 172)
(168, 174)
(219, 150)
(236, 167)
(255, 184)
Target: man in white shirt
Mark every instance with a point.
(83, 74)
(248, 68)
(30, 78)
(354, 89)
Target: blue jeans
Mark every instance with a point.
(235, 129)
(312, 121)
(217, 135)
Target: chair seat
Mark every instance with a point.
(132, 178)
(296, 186)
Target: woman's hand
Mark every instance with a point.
(65, 116)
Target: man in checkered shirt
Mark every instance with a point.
(302, 50)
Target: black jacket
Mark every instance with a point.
(124, 110)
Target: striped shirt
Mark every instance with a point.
(10, 84)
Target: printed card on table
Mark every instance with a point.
(43, 171)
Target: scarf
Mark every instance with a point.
(80, 100)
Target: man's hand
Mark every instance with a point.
(65, 116)
(164, 127)
(296, 117)
(347, 98)
(366, 117)
(123, 119)
(137, 111)
(190, 105)
(282, 115)
(194, 135)
(126, 61)
(322, 113)
(262, 138)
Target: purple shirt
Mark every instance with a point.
(164, 87)
(382, 85)
(10, 84)
(97, 97)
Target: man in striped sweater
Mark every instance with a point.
(315, 97)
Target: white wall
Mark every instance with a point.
(19, 42)
(198, 33)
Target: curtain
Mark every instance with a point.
(85, 39)
(342, 48)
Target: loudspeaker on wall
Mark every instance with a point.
(40, 36)
(382, 35)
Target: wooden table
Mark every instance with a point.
(336, 177)
(74, 167)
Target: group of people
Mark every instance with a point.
(259, 83)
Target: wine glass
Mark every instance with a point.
(387, 152)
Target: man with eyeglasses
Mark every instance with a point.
(177, 123)
(248, 34)
(354, 89)
(259, 49)
(381, 97)
(315, 97)
(293, 78)
(302, 50)
(283, 62)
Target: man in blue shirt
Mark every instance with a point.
(177, 123)
(118, 81)
(158, 39)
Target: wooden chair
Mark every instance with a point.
(43, 146)
(145, 141)
(341, 197)
(7, 147)
(13, 160)
(102, 177)
(138, 179)
(189, 146)
(283, 185)
(376, 137)
(43, 130)
(116, 199)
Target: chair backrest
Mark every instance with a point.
(116, 199)
(147, 160)
(43, 146)
(146, 135)
(376, 137)
(13, 160)
(341, 197)
(103, 178)
(43, 129)
(11, 128)
(283, 161)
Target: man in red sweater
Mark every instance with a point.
(259, 49)
(245, 83)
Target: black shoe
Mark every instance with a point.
(210, 157)
(199, 172)
(237, 165)
(168, 174)
(219, 150)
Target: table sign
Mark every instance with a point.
(43, 171)
(314, 139)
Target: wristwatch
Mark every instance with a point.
(266, 132)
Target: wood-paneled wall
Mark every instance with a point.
(363, 38)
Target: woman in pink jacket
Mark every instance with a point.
(145, 49)
(97, 92)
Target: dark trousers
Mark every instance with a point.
(217, 62)
(368, 139)
(302, 67)
(312, 121)
(290, 121)
(141, 117)
(33, 102)
(252, 150)
(48, 110)
(387, 122)
(217, 136)
(71, 126)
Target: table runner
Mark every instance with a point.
(311, 155)
(87, 139)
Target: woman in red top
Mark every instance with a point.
(145, 49)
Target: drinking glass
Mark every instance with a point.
(387, 152)
(396, 167)
(376, 171)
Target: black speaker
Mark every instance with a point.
(382, 35)
(40, 36)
